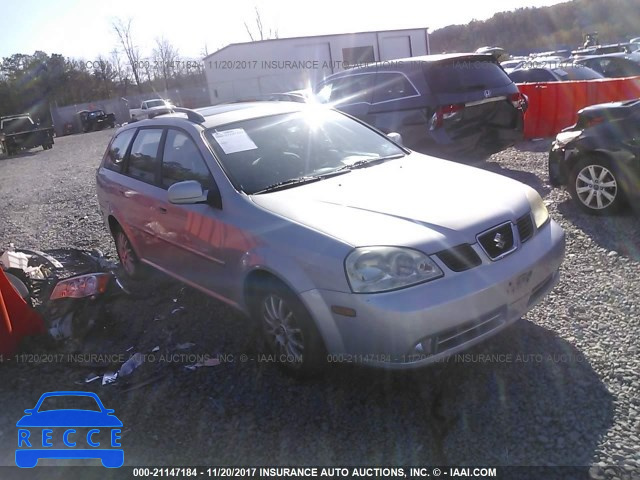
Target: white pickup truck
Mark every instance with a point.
(150, 109)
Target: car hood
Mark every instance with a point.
(414, 201)
(69, 418)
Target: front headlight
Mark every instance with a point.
(538, 209)
(564, 138)
(378, 269)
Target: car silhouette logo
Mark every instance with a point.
(499, 241)
(84, 433)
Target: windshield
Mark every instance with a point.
(155, 103)
(262, 152)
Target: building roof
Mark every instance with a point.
(311, 37)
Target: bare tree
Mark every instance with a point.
(165, 57)
(123, 30)
(121, 72)
(261, 34)
(105, 74)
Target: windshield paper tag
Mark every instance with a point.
(235, 140)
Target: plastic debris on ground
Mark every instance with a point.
(109, 377)
(91, 378)
(11, 259)
(130, 365)
(209, 362)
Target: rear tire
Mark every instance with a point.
(289, 331)
(596, 187)
(129, 260)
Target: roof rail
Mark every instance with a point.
(192, 115)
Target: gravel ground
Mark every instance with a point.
(560, 387)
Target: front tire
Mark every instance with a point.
(289, 331)
(595, 186)
(128, 259)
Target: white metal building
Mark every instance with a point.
(247, 70)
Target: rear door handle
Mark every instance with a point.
(162, 210)
(126, 193)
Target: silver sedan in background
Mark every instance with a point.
(343, 244)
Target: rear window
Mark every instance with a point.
(115, 154)
(464, 75)
(531, 75)
(14, 125)
(577, 72)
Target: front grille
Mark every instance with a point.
(525, 227)
(497, 241)
(460, 258)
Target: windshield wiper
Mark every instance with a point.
(292, 182)
(366, 162)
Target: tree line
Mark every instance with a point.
(561, 26)
(33, 82)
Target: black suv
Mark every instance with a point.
(91, 120)
(442, 104)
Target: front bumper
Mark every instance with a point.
(558, 169)
(444, 316)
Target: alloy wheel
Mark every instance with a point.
(281, 328)
(596, 187)
(126, 254)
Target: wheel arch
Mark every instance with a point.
(257, 278)
(115, 225)
(581, 155)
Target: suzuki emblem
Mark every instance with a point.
(487, 93)
(499, 241)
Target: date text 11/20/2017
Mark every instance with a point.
(310, 472)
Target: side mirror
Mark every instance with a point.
(144, 107)
(187, 192)
(395, 137)
(190, 192)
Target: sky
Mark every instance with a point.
(83, 29)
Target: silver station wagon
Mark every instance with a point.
(342, 243)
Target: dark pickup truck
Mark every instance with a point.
(20, 132)
(91, 120)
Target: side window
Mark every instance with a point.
(324, 94)
(115, 154)
(182, 161)
(352, 89)
(392, 86)
(339, 89)
(143, 158)
(596, 65)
